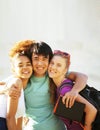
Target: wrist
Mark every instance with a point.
(75, 90)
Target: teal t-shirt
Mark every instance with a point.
(38, 106)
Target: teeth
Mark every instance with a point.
(52, 71)
(40, 68)
(25, 72)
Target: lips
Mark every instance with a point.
(52, 72)
(40, 68)
(26, 72)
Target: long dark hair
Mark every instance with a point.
(42, 48)
(52, 91)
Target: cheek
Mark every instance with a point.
(49, 68)
(47, 64)
(18, 70)
(63, 70)
(33, 64)
(33, 67)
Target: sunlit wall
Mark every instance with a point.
(70, 25)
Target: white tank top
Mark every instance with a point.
(3, 102)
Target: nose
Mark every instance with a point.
(40, 62)
(53, 66)
(24, 66)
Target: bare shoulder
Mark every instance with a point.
(18, 81)
(15, 82)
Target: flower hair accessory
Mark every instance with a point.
(63, 54)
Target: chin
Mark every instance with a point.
(51, 76)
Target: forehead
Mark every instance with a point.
(40, 56)
(58, 58)
(18, 59)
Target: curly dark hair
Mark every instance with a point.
(21, 48)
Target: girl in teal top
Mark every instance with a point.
(38, 106)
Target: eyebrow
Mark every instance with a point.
(25, 62)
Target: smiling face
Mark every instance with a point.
(22, 67)
(40, 64)
(57, 67)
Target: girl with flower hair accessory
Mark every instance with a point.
(58, 67)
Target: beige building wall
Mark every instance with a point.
(70, 25)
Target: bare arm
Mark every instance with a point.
(12, 108)
(80, 82)
(3, 91)
(13, 91)
(2, 83)
(19, 122)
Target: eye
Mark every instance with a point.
(51, 63)
(59, 65)
(29, 64)
(45, 58)
(20, 65)
(35, 58)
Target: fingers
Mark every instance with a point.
(25, 120)
(64, 99)
(71, 102)
(14, 92)
(69, 99)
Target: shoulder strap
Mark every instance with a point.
(92, 95)
(65, 83)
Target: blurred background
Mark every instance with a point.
(68, 25)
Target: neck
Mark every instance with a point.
(24, 81)
(41, 75)
(58, 81)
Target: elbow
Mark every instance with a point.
(10, 117)
(85, 77)
(11, 122)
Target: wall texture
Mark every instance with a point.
(70, 25)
